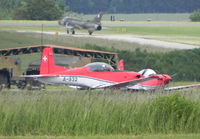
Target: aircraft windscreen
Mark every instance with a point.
(99, 66)
(147, 72)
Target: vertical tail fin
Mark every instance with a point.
(47, 65)
(97, 19)
(121, 65)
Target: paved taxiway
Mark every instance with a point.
(109, 24)
(127, 38)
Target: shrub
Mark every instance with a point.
(173, 113)
(195, 16)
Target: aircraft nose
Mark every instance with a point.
(167, 79)
(60, 22)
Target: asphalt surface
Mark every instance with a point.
(25, 24)
(106, 23)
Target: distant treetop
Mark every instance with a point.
(44, 8)
(133, 6)
(195, 16)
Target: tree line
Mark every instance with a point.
(133, 6)
(12, 8)
(32, 9)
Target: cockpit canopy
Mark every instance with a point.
(99, 66)
(147, 72)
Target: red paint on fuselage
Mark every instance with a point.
(48, 67)
(162, 79)
(113, 76)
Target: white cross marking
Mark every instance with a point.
(44, 58)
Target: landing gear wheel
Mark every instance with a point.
(1, 87)
(90, 33)
(68, 31)
(73, 32)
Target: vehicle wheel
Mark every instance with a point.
(67, 31)
(73, 32)
(1, 87)
(28, 87)
(42, 86)
(21, 85)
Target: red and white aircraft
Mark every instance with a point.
(153, 85)
(98, 75)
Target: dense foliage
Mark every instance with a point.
(108, 6)
(38, 10)
(133, 6)
(184, 63)
(62, 5)
(67, 112)
(7, 7)
(195, 16)
(31, 9)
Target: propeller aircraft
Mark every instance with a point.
(155, 83)
(97, 75)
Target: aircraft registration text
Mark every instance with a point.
(70, 79)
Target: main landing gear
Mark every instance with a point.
(71, 30)
(90, 33)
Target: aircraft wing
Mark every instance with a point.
(72, 27)
(132, 82)
(117, 85)
(182, 87)
(67, 27)
(37, 76)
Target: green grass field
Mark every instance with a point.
(179, 34)
(143, 17)
(10, 39)
(171, 136)
(135, 17)
(100, 113)
(137, 30)
(60, 112)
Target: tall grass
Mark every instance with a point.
(102, 112)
